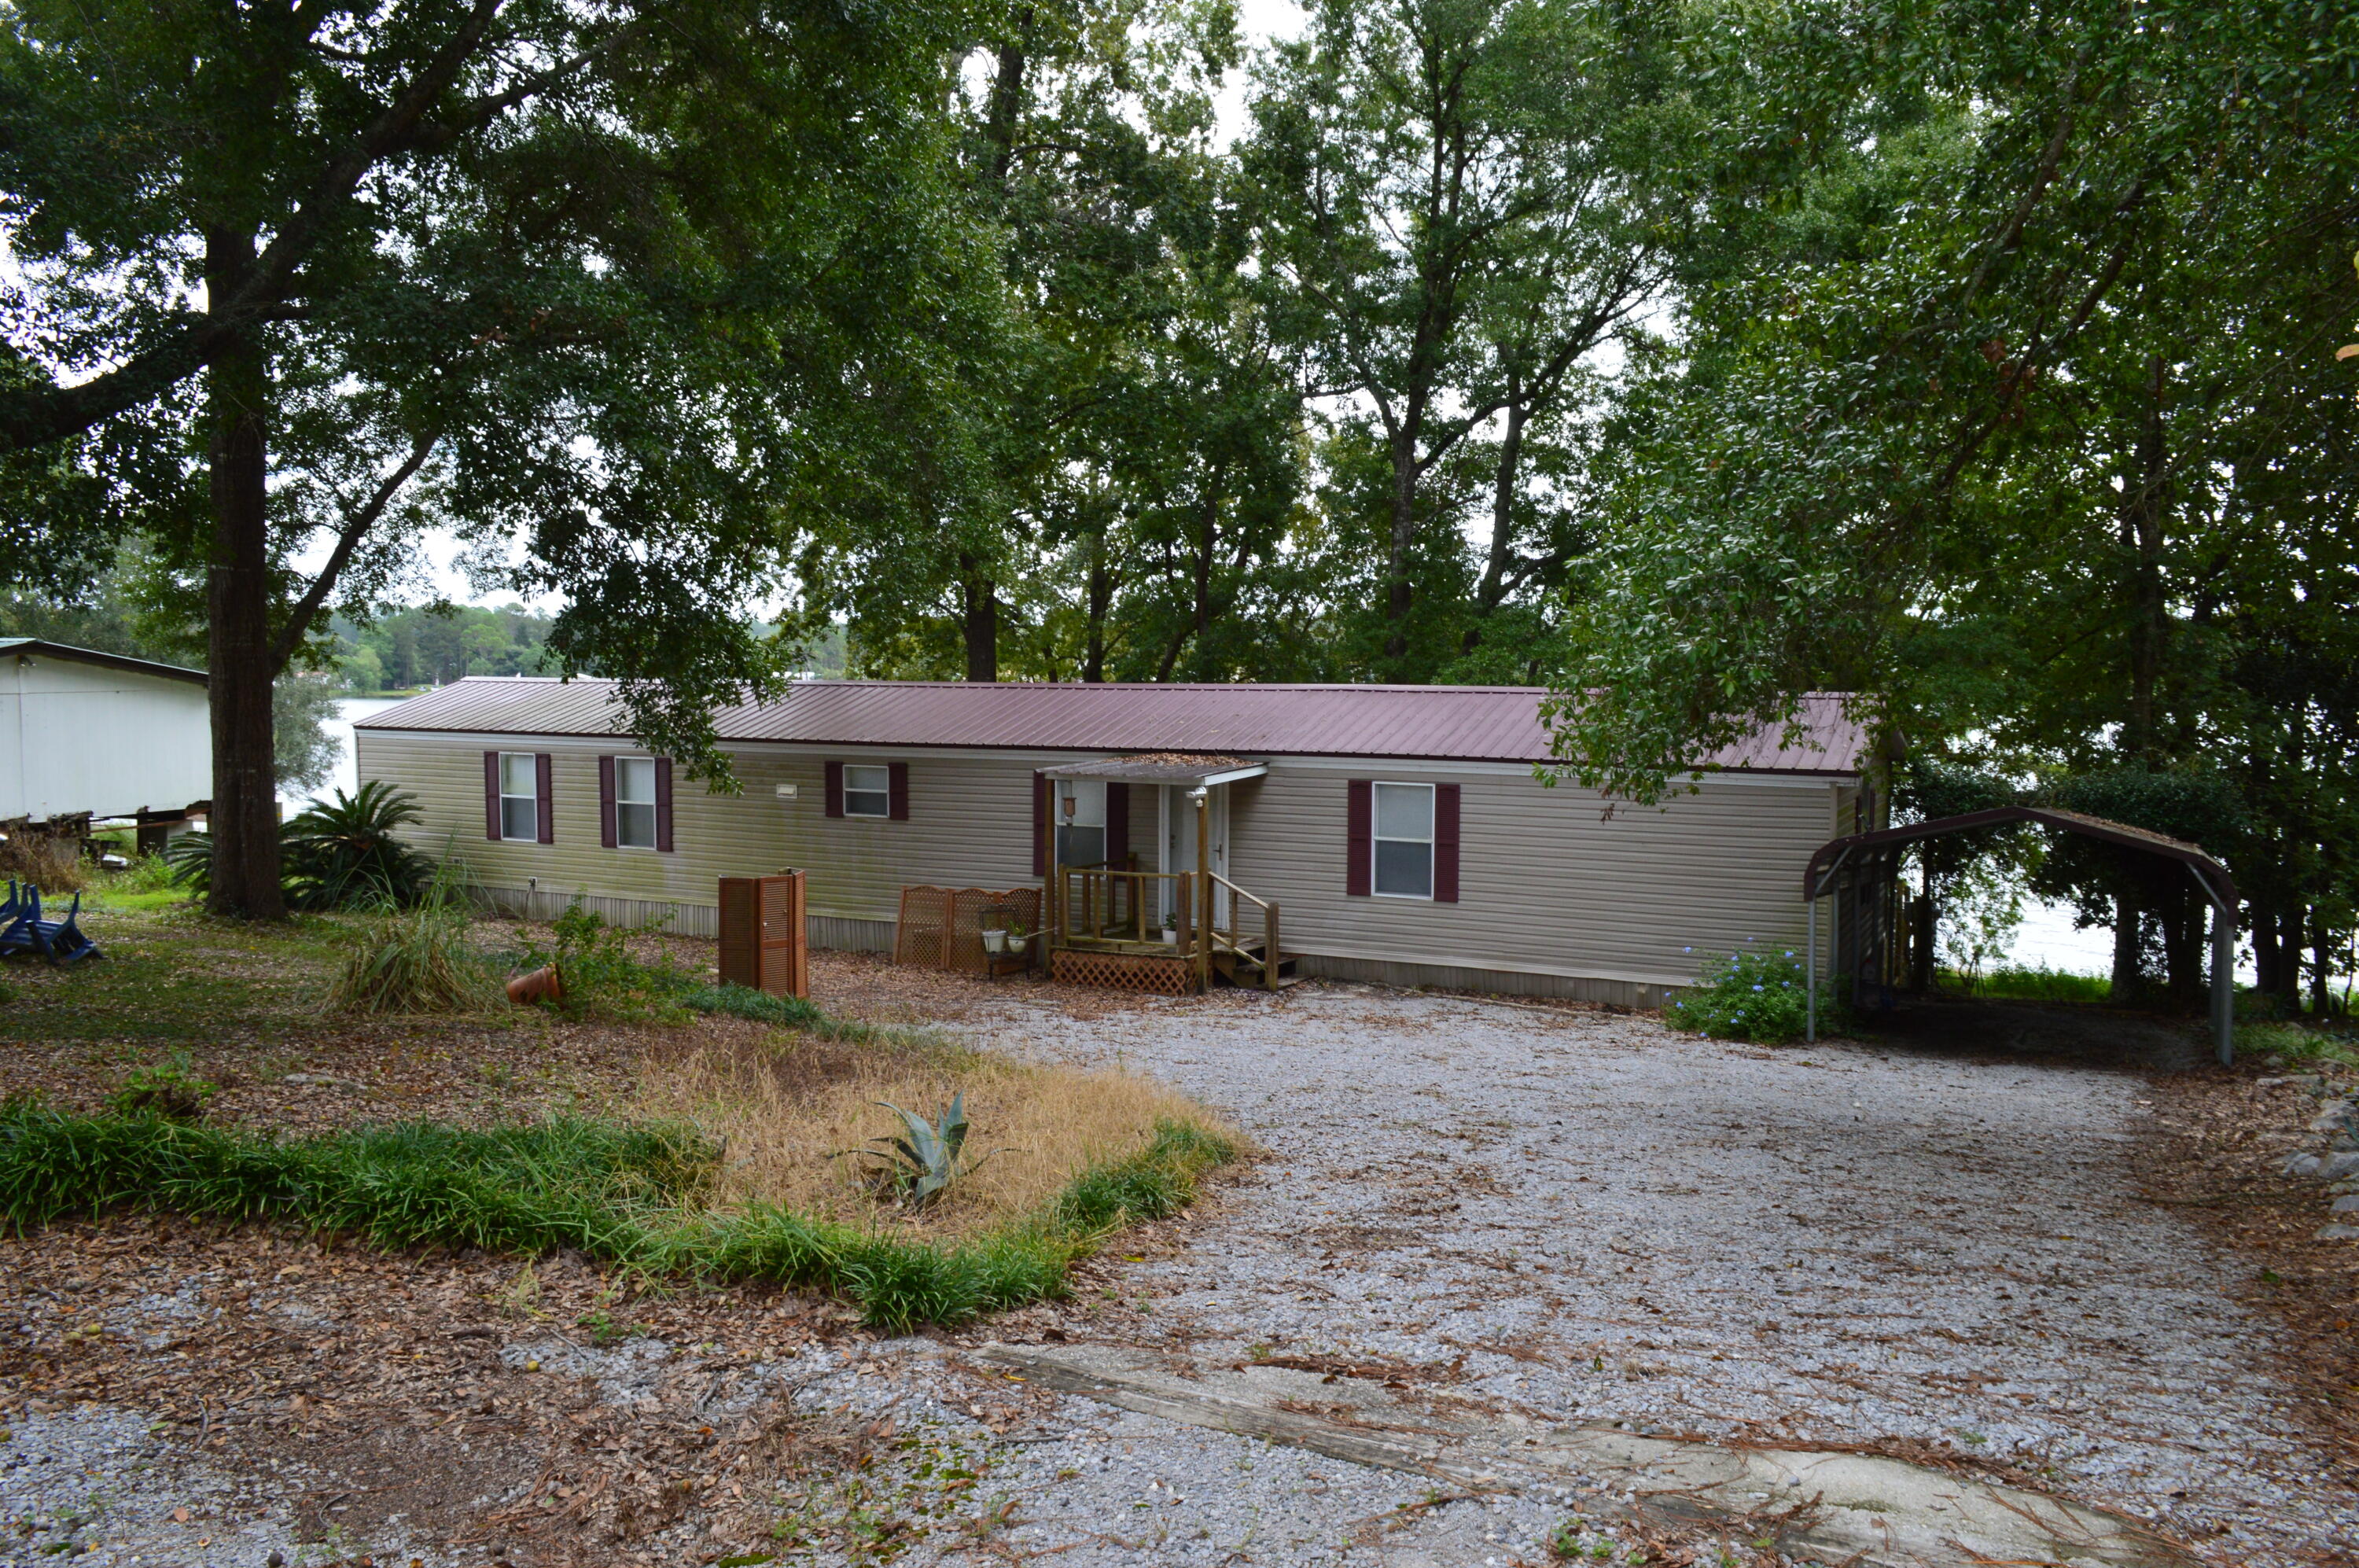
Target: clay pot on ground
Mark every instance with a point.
(543, 984)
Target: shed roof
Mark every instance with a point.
(48, 650)
(1456, 723)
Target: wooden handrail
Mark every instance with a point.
(1248, 898)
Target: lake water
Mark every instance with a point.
(347, 775)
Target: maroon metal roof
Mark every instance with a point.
(1456, 723)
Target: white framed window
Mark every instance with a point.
(519, 796)
(634, 802)
(1080, 822)
(867, 789)
(1404, 841)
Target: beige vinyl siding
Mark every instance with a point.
(970, 825)
(1544, 886)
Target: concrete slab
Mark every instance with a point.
(1848, 1509)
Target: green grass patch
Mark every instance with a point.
(745, 1002)
(2295, 1043)
(628, 1195)
(178, 976)
(2036, 984)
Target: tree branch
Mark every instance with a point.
(34, 416)
(356, 526)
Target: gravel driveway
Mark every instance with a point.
(1589, 1217)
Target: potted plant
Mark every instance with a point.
(995, 941)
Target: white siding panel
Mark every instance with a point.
(85, 737)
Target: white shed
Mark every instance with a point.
(83, 731)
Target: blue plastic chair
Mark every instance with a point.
(63, 941)
(17, 917)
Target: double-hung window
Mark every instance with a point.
(519, 796)
(634, 802)
(1404, 841)
(867, 789)
(1080, 822)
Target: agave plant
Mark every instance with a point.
(919, 1168)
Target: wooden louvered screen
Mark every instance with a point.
(764, 941)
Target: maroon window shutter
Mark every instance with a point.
(1445, 843)
(1117, 824)
(663, 805)
(1360, 836)
(492, 795)
(896, 797)
(544, 811)
(835, 789)
(1039, 824)
(606, 801)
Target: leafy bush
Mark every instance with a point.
(345, 854)
(415, 961)
(602, 978)
(623, 1194)
(145, 874)
(173, 1091)
(1759, 996)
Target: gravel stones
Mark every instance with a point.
(1594, 1218)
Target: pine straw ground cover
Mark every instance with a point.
(133, 1281)
(2225, 1133)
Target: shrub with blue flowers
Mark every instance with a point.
(1747, 994)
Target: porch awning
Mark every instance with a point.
(1163, 767)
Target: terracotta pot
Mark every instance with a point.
(543, 984)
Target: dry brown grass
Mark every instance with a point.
(53, 864)
(785, 1103)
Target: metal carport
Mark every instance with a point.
(1875, 854)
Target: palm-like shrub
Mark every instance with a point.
(339, 853)
(335, 854)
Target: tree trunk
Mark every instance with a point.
(979, 623)
(1208, 523)
(1404, 534)
(2321, 1002)
(244, 821)
(2129, 976)
(1101, 597)
(2143, 519)
(1493, 586)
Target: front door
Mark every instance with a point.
(1178, 838)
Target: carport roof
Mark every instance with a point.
(1886, 841)
(1470, 724)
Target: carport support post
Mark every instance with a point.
(1810, 977)
(2223, 981)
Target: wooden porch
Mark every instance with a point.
(1173, 932)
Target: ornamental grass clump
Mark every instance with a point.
(1747, 994)
(637, 1197)
(415, 961)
